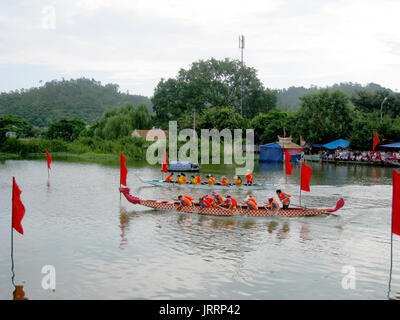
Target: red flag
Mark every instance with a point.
(124, 171)
(165, 163)
(305, 177)
(396, 203)
(48, 159)
(288, 165)
(376, 141)
(18, 209)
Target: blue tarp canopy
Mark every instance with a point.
(180, 165)
(392, 145)
(271, 153)
(340, 143)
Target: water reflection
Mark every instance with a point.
(304, 233)
(124, 226)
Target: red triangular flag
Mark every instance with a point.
(396, 203)
(376, 141)
(305, 177)
(18, 209)
(165, 163)
(48, 159)
(288, 165)
(124, 170)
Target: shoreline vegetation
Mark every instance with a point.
(82, 119)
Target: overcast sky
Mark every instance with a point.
(135, 43)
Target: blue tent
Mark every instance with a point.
(392, 145)
(340, 143)
(271, 153)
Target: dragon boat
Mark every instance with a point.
(243, 187)
(221, 211)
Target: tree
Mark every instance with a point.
(21, 127)
(268, 126)
(366, 100)
(119, 122)
(211, 83)
(324, 115)
(68, 130)
(220, 118)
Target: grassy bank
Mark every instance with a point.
(84, 148)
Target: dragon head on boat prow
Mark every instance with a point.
(125, 191)
(339, 205)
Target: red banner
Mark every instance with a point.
(396, 203)
(18, 209)
(124, 170)
(48, 159)
(288, 165)
(165, 163)
(305, 177)
(376, 141)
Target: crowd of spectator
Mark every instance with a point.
(360, 156)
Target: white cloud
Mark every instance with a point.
(138, 42)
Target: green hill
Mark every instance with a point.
(288, 99)
(66, 99)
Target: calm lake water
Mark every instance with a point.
(103, 247)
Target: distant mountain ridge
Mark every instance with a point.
(66, 99)
(289, 99)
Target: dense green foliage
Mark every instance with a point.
(325, 116)
(21, 127)
(68, 130)
(56, 100)
(289, 99)
(211, 83)
(120, 122)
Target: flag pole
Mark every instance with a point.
(391, 262)
(301, 174)
(12, 238)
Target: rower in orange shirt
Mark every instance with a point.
(251, 203)
(225, 181)
(185, 201)
(218, 199)
(284, 197)
(230, 202)
(273, 204)
(170, 178)
(198, 179)
(237, 180)
(183, 179)
(249, 177)
(211, 180)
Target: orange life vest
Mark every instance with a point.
(186, 201)
(284, 197)
(252, 205)
(225, 182)
(198, 179)
(271, 205)
(231, 202)
(218, 199)
(209, 199)
(249, 178)
(205, 203)
(211, 180)
(169, 178)
(183, 180)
